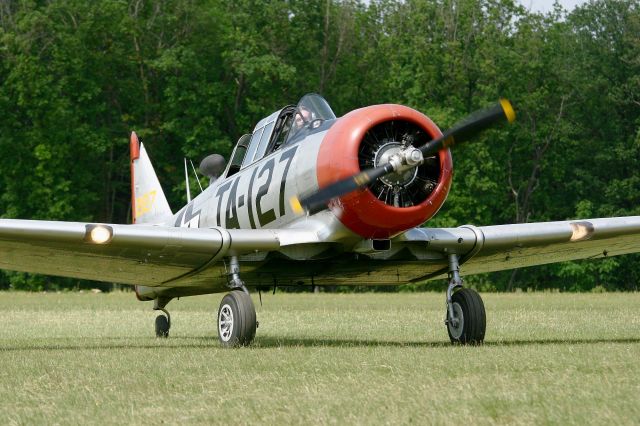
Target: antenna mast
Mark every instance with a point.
(186, 179)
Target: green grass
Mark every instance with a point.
(350, 358)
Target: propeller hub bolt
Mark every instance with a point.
(414, 157)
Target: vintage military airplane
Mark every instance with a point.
(308, 198)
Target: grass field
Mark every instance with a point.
(328, 359)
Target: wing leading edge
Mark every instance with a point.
(131, 254)
(495, 248)
(166, 256)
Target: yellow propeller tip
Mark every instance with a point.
(508, 110)
(294, 202)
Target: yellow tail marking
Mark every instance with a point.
(144, 203)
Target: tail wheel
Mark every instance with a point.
(236, 319)
(472, 321)
(162, 326)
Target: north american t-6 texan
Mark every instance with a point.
(309, 199)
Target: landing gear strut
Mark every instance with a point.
(163, 323)
(236, 315)
(466, 319)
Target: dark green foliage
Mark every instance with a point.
(191, 77)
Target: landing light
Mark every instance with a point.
(581, 231)
(99, 234)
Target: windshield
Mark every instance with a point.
(310, 113)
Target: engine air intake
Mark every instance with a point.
(408, 188)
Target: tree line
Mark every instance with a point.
(192, 76)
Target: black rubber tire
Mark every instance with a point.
(162, 326)
(243, 313)
(474, 319)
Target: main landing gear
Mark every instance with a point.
(236, 315)
(466, 319)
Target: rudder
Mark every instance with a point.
(148, 202)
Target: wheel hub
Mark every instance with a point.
(225, 323)
(456, 324)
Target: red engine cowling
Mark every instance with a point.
(367, 137)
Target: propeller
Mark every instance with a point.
(408, 158)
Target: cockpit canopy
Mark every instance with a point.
(310, 114)
(285, 127)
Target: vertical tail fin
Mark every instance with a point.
(148, 203)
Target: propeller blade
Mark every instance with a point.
(318, 201)
(471, 126)
(460, 132)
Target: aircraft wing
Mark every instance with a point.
(495, 248)
(129, 254)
